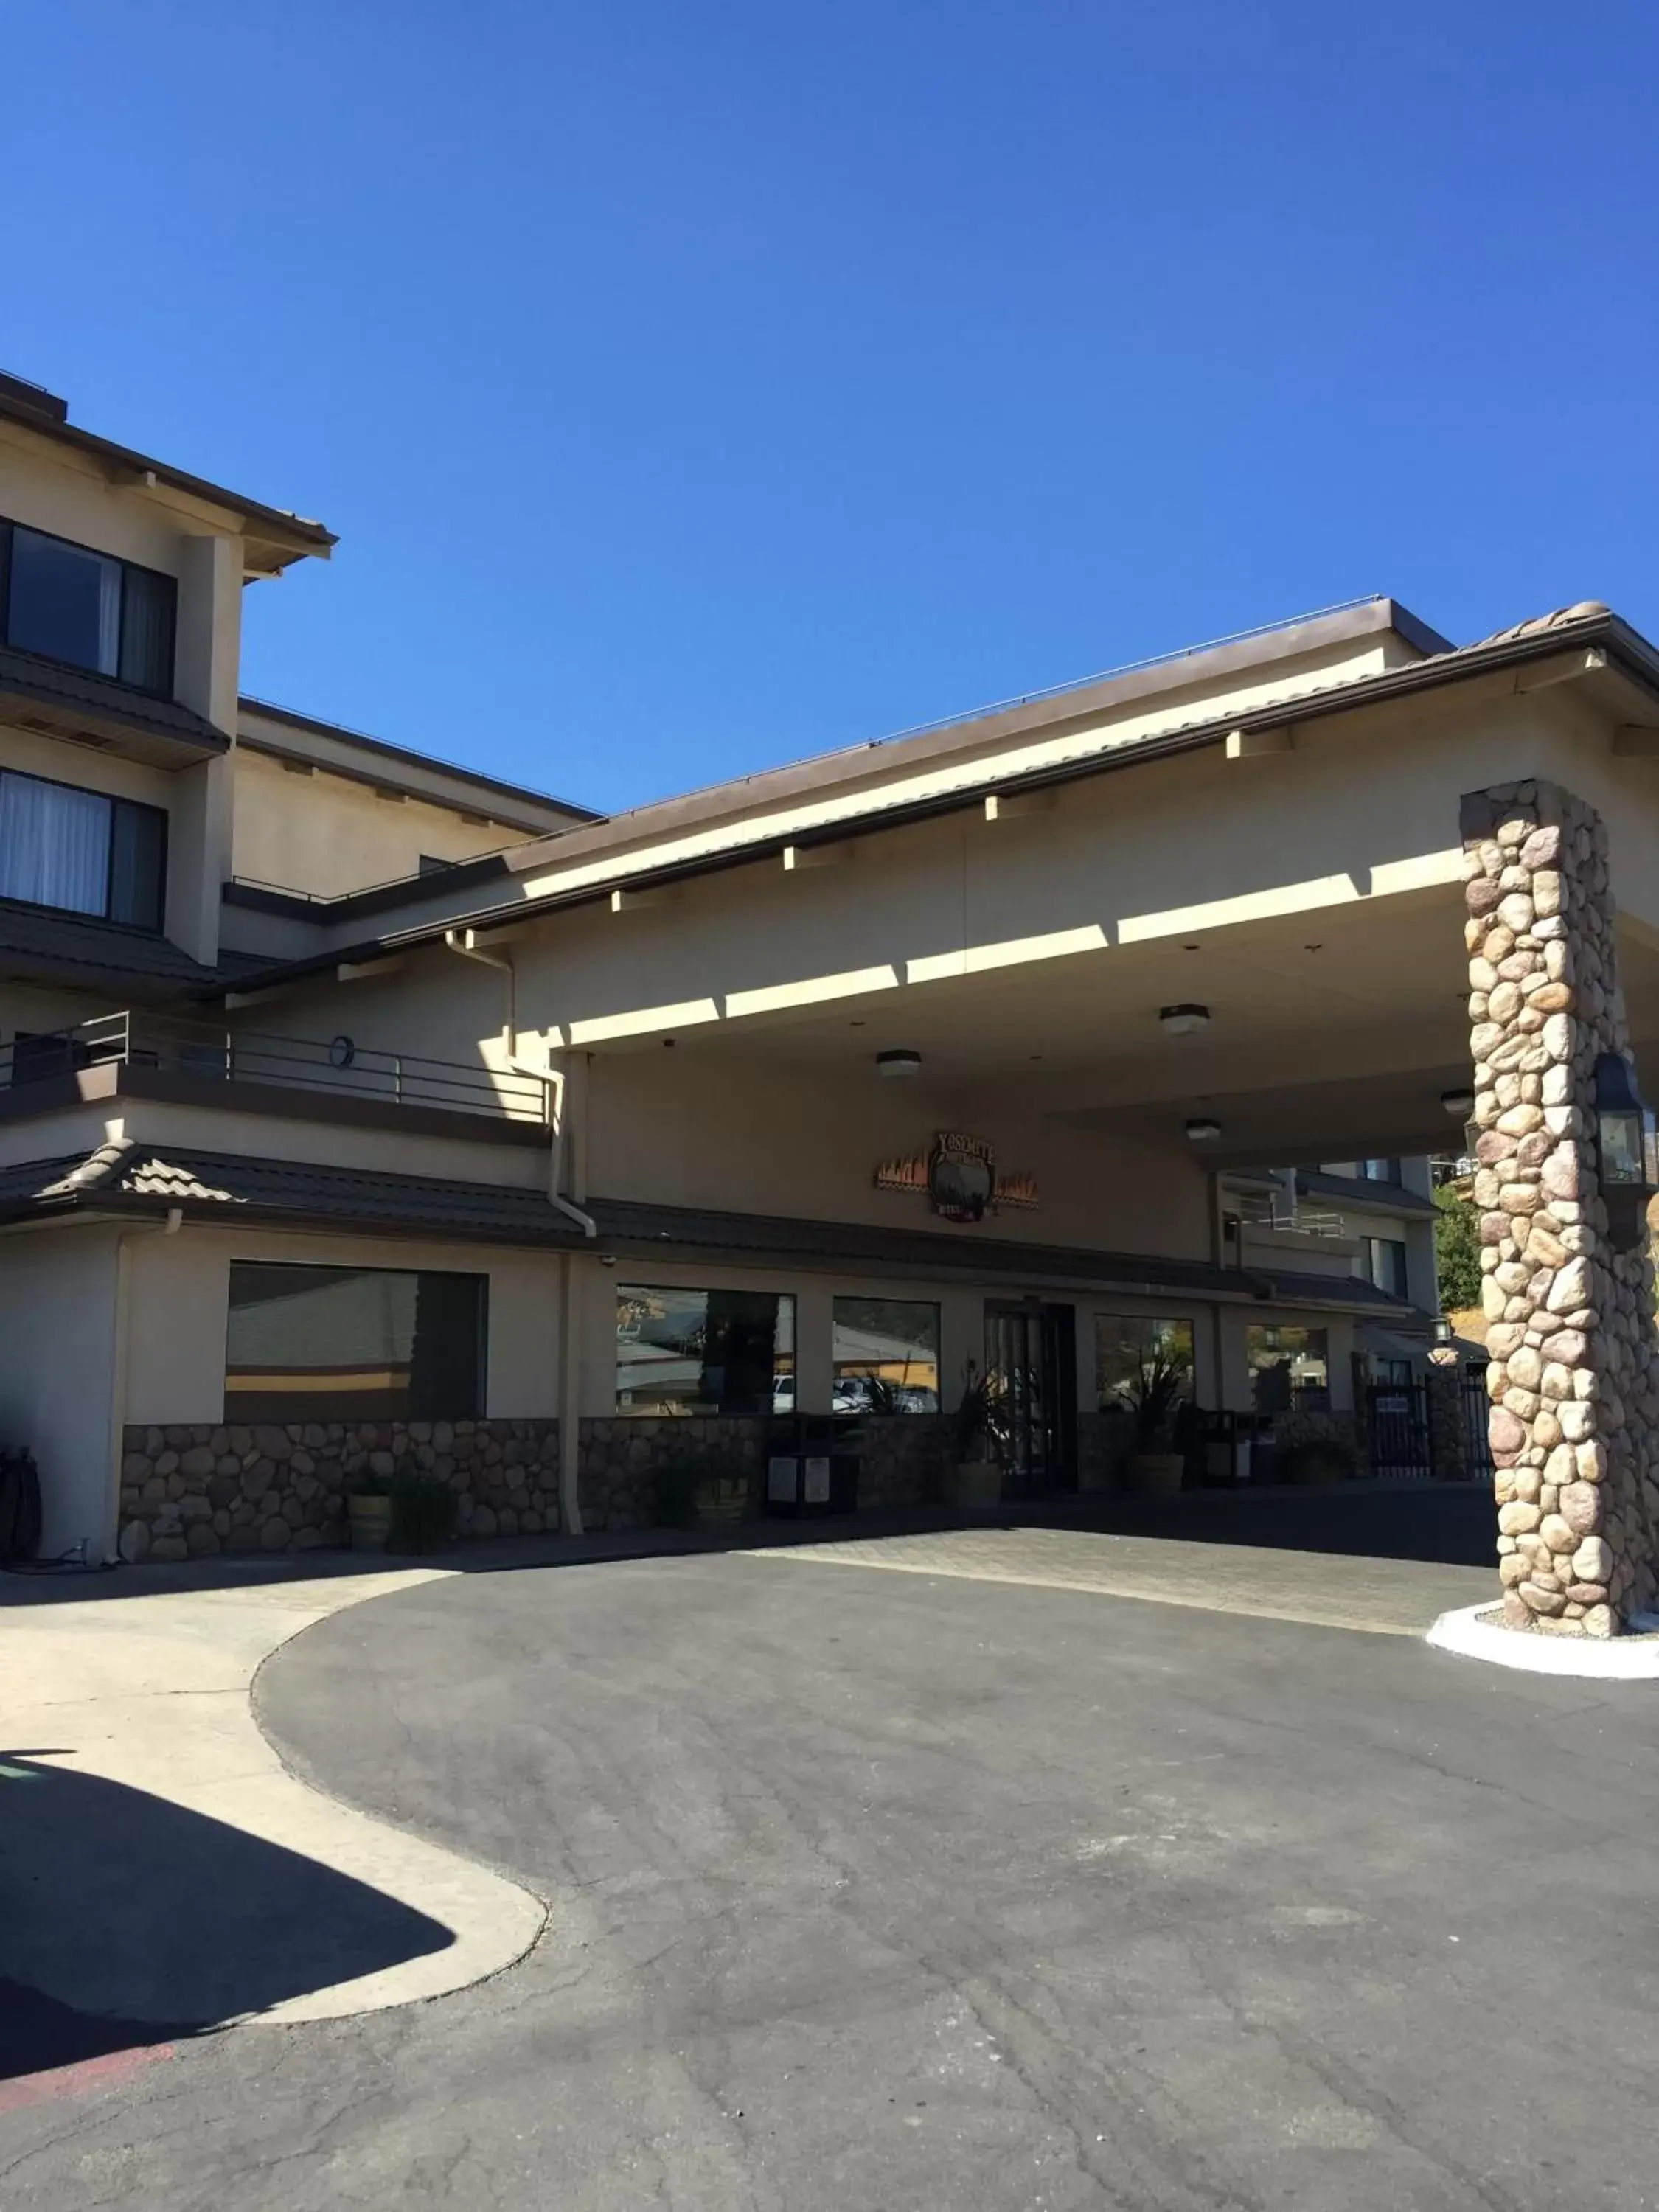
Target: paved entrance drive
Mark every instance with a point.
(970, 1885)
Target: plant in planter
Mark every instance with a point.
(975, 1477)
(422, 1514)
(1311, 1448)
(368, 1508)
(701, 1489)
(1154, 1395)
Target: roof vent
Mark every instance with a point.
(19, 396)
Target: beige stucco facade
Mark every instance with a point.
(656, 1051)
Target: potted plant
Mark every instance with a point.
(368, 1508)
(701, 1489)
(1153, 1396)
(422, 1512)
(975, 1477)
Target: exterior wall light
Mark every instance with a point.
(898, 1063)
(1203, 1133)
(1459, 1104)
(1624, 1149)
(1182, 1021)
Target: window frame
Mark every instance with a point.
(699, 1410)
(113, 799)
(1115, 1402)
(301, 1413)
(164, 689)
(1396, 1246)
(925, 1306)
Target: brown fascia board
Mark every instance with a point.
(274, 526)
(515, 793)
(1457, 665)
(1053, 712)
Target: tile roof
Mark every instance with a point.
(78, 946)
(23, 676)
(125, 1175)
(1365, 1195)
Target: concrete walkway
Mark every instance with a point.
(158, 1862)
(1389, 1597)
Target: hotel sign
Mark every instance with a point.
(959, 1174)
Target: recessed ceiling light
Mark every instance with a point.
(898, 1063)
(1203, 1133)
(1182, 1021)
(1459, 1104)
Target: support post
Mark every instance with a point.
(1573, 1372)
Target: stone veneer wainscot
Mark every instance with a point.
(1574, 1373)
(190, 1490)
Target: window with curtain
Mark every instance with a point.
(68, 603)
(82, 852)
(374, 1344)
(886, 1356)
(704, 1352)
(1385, 1263)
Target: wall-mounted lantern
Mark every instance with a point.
(1627, 1156)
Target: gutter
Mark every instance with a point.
(460, 941)
(1635, 657)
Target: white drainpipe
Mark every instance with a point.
(571, 1509)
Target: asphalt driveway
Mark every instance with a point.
(878, 1889)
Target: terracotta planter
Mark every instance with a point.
(1159, 1471)
(371, 1518)
(975, 1484)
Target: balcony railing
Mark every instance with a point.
(336, 1067)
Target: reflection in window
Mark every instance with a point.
(1385, 1263)
(704, 1352)
(1133, 1353)
(70, 604)
(1288, 1367)
(342, 1344)
(886, 1356)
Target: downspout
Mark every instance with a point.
(120, 1377)
(570, 1508)
(456, 941)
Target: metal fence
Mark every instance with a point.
(336, 1065)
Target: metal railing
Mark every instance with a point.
(335, 1066)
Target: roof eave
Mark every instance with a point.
(1635, 655)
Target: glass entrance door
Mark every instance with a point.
(1030, 1360)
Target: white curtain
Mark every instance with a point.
(54, 845)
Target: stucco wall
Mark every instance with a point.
(180, 1294)
(322, 834)
(57, 1361)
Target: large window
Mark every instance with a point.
(704, 1352)
(1288, 1367)
(69, 604)
(1385, 1263)
(81, 851)
(345, 1344)
(1136, 1357)
(886, 1356)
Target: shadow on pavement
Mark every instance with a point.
(127, 1919)
(1453, 1523)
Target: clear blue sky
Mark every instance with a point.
(694, 386)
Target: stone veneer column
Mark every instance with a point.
(1574, 1378)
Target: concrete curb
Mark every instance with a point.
(154, 1693)
(1620, 1659)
